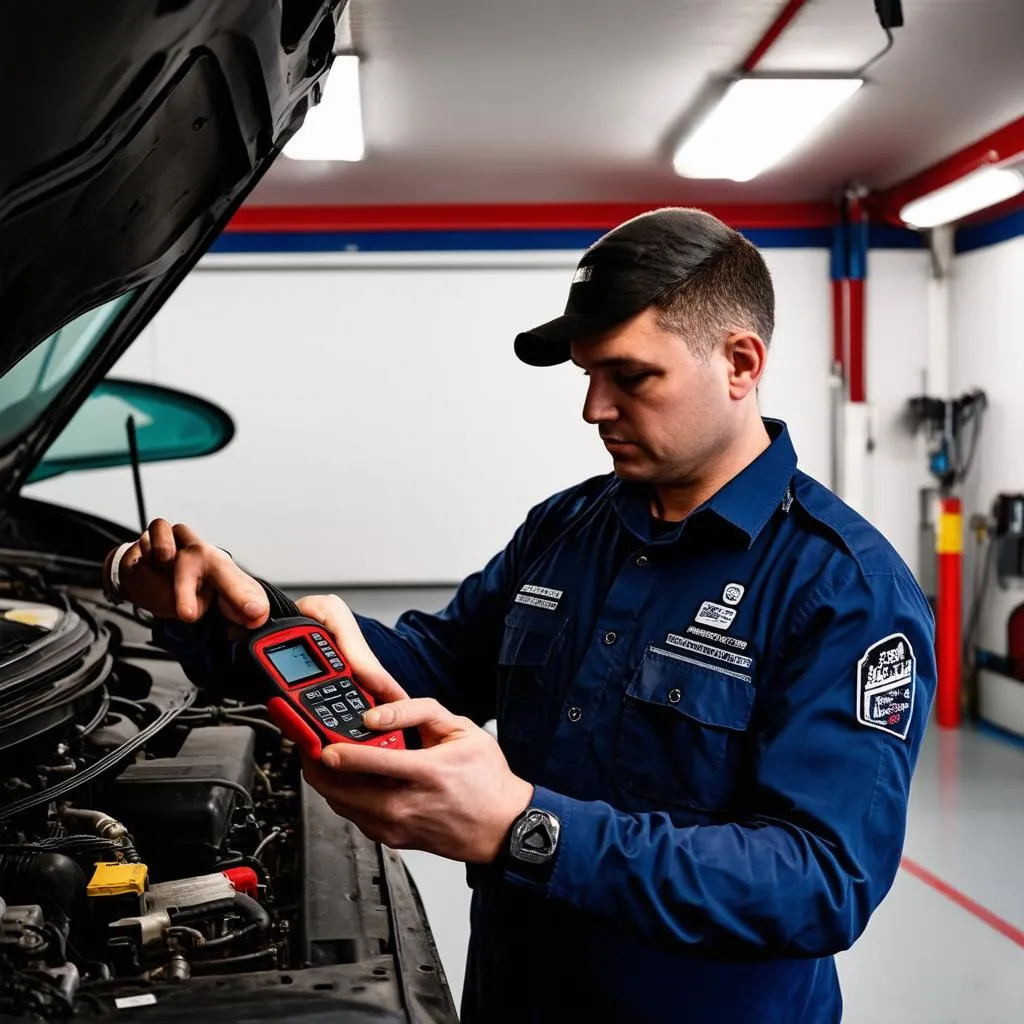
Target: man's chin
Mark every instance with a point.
(633, 470)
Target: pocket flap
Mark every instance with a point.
(530, 634)
(711, 696)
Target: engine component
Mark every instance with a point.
(54, 661)
(117, 730)
(181, 807)
(21, 930)
(115, 891)
(180, 910)
(106, 828)
(178, 968)
(51, 880)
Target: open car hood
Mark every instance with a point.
(132, 132)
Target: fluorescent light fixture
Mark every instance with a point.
(966, 195)
(757, 122)
(333, 129)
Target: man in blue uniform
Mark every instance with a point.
(710, 679)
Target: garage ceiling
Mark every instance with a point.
(581, 100)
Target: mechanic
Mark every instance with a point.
(710, 677)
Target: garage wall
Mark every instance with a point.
(897, 358)
(987, 352)
(379, 404)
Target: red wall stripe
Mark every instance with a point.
(510, 216)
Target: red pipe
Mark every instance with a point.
(949, 549)
(777, 27)
(856, 320)
(997, 147)
(509, 216)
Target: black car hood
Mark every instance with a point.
(132, 130)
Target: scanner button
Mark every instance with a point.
(322, 711)
(341, 707)
(330, 722)
(356, 702)
(317, 636)
(330, 689)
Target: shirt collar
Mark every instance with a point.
(746, 502)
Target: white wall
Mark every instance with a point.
(987, 352)
(386, 432)
(897, 358)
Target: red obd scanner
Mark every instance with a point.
(309, 690)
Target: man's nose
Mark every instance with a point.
(598, 406)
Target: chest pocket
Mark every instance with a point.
(682, 733)
(525, 659)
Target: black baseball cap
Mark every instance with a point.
(622, 273)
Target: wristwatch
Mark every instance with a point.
(532, 844)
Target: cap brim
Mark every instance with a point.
(549, 344)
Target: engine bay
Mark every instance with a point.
(160, 852)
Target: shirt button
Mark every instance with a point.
(610, 638)
(674, 696)
(641, 561)
(575, 714)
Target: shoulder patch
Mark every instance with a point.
(886, 676)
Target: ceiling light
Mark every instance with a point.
(966, 195)
(757, 122)
(333, 129)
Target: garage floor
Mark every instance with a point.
(946, 946)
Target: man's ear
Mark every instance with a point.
(746, 355)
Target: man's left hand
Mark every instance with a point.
(457, 797)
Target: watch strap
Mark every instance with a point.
(112, 587)
(531, 845)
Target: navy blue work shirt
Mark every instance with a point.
(724, 714)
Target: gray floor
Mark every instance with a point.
(924, 958)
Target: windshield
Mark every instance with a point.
(36, 380)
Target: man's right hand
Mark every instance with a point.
(170, 572)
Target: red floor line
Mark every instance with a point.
(964, 902)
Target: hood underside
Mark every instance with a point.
(132, 131)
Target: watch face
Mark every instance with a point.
(535, 837)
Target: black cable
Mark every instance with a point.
(236, 787)
(245, 959)
(229, 718)
(978, 598)
(975, 435)
(101, 766)
(862, 70)
(96, 719)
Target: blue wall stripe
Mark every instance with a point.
(879, 237)
(977, 236)
(467, 241)
(888, 236)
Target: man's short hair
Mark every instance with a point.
(728, 289)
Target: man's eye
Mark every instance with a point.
(632, 379)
